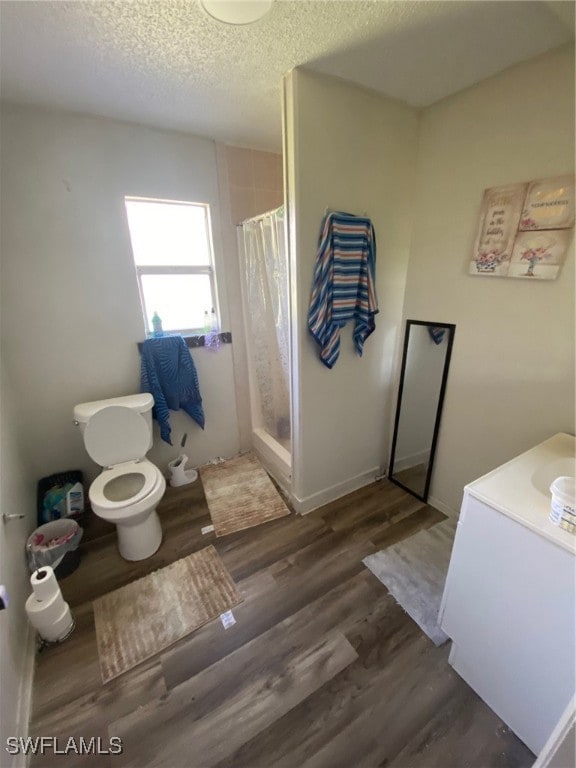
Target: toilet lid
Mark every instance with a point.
(116, 434)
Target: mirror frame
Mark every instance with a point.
(451, 328)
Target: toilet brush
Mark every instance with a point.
(179, 475)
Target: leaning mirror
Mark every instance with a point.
(423, 376)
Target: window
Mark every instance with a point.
(172, 248)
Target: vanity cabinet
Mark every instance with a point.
(509, 601)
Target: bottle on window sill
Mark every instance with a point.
(157, 325)
(212, 338)
(206, 322)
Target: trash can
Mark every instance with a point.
(60, 495)
(55, 544)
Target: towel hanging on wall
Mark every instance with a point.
(168, 372)
(343, 288)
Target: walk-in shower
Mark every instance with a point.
(265, 294)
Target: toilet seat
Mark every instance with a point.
(149, 473)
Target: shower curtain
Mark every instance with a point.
(264, 269)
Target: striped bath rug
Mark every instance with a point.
(145, 617)
(240, 494)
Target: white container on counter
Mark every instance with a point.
(562, 510)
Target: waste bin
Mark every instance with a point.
(60, 495)
(55, 544)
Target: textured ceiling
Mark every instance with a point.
(166, 63)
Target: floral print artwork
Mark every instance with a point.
(500, 214)
(525, 229)
(539, 254)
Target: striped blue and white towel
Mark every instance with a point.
(344, 283)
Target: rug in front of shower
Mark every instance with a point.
(240, 494)
(145, 617)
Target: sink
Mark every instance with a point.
(544, 476)
(520, 488)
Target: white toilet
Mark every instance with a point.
(117, 436)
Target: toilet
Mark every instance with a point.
(117, 435)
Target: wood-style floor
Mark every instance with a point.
(323, 669)
(413, 478)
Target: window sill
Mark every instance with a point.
(198, 340)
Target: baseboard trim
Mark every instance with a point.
(319, 499)
(24, 707)
(411, 461)
(444, 508)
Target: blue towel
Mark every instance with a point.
(168, 372)
(437, 334)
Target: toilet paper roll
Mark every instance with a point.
(52, 627)
(46, 611)
(41, 619)
(44, 583)
(58, 629)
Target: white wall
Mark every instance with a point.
(17, 496)
(351, 150)
(511, 381)
(70, 304)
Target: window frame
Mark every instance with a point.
(164, 269)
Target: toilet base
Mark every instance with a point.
(139, 541)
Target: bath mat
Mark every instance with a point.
(414, 571)
(143, 618)
(240, 494)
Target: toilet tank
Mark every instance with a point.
(142, 404)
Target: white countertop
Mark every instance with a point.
(520, 488)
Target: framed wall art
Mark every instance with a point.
(499, 217)
(539, 254)
(524, 229)
(549, 204)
